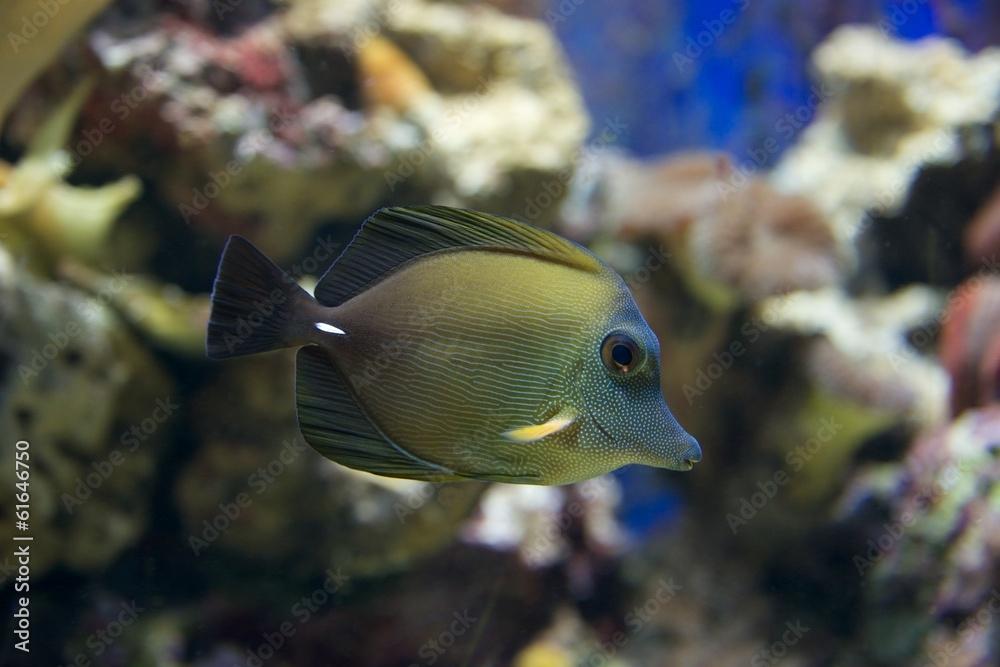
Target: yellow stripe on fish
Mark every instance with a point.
(539, 431)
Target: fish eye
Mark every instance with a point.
(620, 353)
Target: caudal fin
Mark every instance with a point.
(254, 303)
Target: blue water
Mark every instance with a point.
(718, 73)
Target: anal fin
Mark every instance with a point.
(335, 425)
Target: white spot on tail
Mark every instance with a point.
(329, 328)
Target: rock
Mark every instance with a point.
(928, 239)
(673, 612)
(763, 243)
(311, 115)
(734, 242)
(167, 317)
(95, 407)
(929, 563)
(886, 109)
(863, 374)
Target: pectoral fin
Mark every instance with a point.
(538, 431)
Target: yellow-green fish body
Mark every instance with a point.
(447, 344)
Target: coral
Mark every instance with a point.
(798, 375)
(861, 374)
(310, 115)
(761, 243)
(533, 520)
(923, 240)
(736, 240)
(45, 217)
(930, 525)
(329, 622)
(389, 78)
(533, 8)
(663, 196)
(166, 316)
(970, 343)
(886, 108)
(96, 409)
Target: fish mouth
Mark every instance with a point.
(693, 455)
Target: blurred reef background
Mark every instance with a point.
(804, 197)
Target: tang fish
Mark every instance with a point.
(446, 344)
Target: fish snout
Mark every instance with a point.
(669, 446)
(692, 453)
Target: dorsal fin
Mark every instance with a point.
(392, 237)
